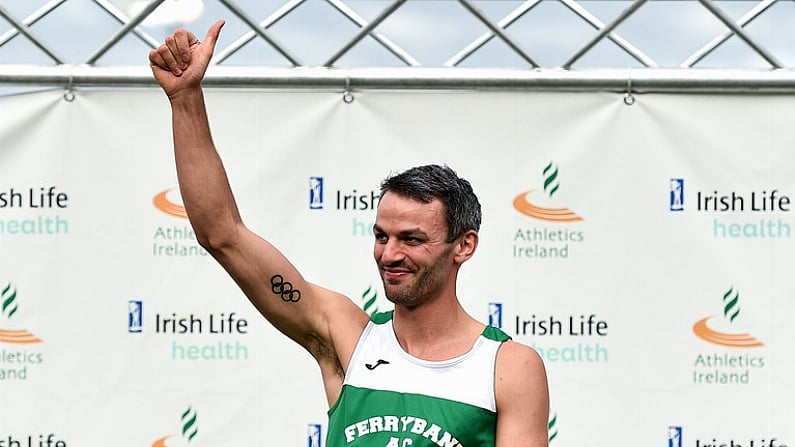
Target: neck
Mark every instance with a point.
(439, 330)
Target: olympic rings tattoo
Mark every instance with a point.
(284, 289)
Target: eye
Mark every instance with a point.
(380, 237)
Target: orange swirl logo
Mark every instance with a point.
(8, 307)
(162, 441)
(521, 204)
(741, 340)
(162, 203)
(20, 336)
(731, 311)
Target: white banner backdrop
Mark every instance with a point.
(646, 251)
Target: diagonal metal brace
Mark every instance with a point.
(740, 32)
(262, 33)
(365, 31)
(604, 32)
(499, 32)
(25, 31)
(129, 26)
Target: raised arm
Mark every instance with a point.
(301, 310)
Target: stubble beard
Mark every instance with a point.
(408, 295)
(424, 283)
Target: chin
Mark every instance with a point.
(401, 300)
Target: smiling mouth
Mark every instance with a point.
(393, 274)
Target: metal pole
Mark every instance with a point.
(651, 80)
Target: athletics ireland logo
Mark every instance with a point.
(731, 310)
(8, 308)
(9, 297)
(369, 298)
(174, 240)
(189, 430)
(523, 204)
(552, 427)
(165, 204)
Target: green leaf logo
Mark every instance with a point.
(8, 298)
(369, 298)
(730, 307)
(189, 428)
(551, 427)
(551, 183)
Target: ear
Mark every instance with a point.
(466, 245)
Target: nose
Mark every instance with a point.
(389, 252)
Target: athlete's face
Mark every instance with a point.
(414, 258)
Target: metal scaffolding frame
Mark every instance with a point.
(648, 77)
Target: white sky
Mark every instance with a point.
(431, 31)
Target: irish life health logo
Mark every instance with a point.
(570, 338)
(739, 357)
(676, 439)
(194, 337)
(36, 211)
(314, 435)
(737, 214)
(316, 196)
(676, 195)
(354, 201)
(675, 436)
(553, 235)
(18, 353)
(174, 238)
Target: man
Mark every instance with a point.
(425, 374)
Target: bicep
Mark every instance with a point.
(522, 397)
(299, 309)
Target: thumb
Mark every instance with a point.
(213, 33)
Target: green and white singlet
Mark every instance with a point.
(392, 399)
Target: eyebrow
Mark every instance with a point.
(416, 231)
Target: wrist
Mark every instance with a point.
(186, 96)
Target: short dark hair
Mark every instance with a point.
(425, 183)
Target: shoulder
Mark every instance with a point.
(519, 364)
(522, 396)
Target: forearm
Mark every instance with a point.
(203, 182)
